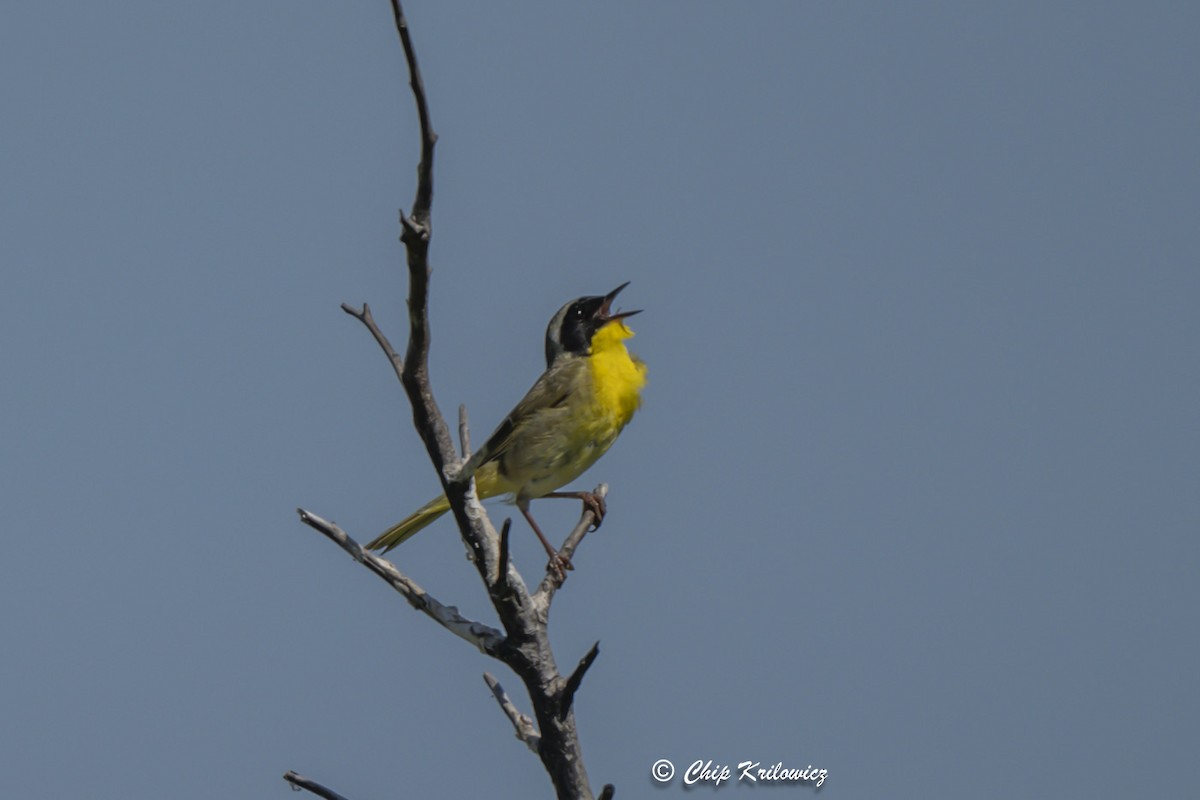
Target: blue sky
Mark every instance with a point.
(912, 497)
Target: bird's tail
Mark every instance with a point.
(411, 524)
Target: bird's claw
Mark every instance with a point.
(561, 564)
(597, 505)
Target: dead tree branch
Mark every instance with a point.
(522, 724)
(572, 686)
(299, 782)
(363, 315)
(484, 637)
(554, 579)
(524, 644)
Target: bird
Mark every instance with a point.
(569, 418)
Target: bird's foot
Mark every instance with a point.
(561, 564)
(597, 505)
(591, 502)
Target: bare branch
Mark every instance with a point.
(554, 579)
(424, 198)
(464, 433)
(586, 520)
(299, 782)
(568, 695)
(363, 315)
(525, 729)
(417, 232)
(525, 645)
(500, 586)
(484, 637)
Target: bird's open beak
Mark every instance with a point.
(605, 314)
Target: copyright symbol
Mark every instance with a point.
(662, 771)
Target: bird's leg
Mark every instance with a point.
(591, 501)
(557, 560)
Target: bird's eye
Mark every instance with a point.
(577, 311)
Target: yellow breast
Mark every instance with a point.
(617, 377)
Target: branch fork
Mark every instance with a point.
(524, 644)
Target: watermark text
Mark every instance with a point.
(717, 774)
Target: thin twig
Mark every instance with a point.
(554, 579)
(424, 198)
(586, 520)
(523, 726)
(568, 695)
(299, 782)
(363, 315)
(486, 638)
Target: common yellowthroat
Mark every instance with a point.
(572, 415)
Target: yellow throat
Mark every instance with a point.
(618, 378)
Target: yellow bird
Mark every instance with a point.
(572, 415)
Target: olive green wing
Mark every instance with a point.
(551, 390)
